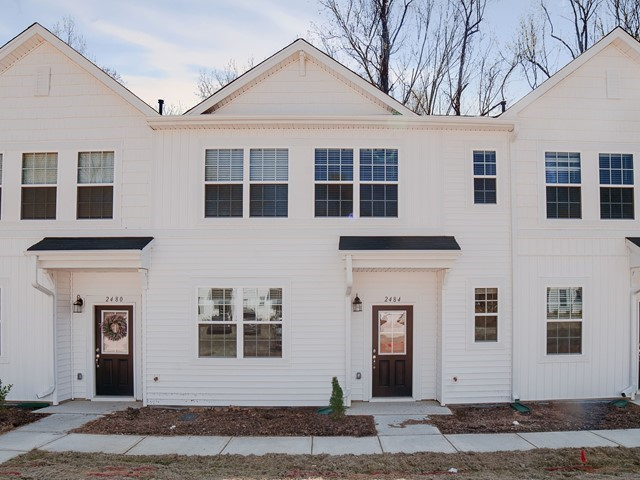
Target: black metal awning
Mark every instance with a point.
(90, 243)
(398, 243)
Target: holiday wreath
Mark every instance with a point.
(114, 327)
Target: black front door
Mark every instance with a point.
(392, 351)
(114, 350)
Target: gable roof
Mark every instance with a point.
(299, 48)
(617, 37)
(34, 36)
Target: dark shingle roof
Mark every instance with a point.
(91, 243)
(398, 243)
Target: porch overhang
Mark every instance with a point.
(400, 253)
(92, 253)
(633, 245)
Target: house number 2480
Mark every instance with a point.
(391, 299)
(113, 299)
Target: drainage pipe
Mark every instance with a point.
(38, 286)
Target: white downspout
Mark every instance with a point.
(631, 390)
(38, 286)
(347, 331)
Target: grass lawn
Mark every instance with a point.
(600, 463)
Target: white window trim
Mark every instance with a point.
(504, 333)
(55, 185)
(619, 186)
(485, 176)
(239, 286)
(565, 282)
(111, 184)
(246, 207)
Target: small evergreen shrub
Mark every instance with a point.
(4, 391)
(336, 402)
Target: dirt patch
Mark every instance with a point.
(11, 418)
(601, 463)
(229, 421)
(544, 417)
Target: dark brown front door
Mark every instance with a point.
(114, 350)
(391, 351)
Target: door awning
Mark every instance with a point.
(103, 253)
(400, 252)
(633, 244)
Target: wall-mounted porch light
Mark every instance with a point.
(357, 304)
(78, 305)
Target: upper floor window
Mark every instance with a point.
(223, 175)
(95, 185)
(379, 182)
(240, 322)
(334, 182)
(268, 190)
(486, 315)
(616, 186)
(564, 320)
(484, 177)
(39, 191)
(562, 176)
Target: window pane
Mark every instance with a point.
(223, 201)
(333, 200)
(564, 202)
(215, 305)
(562, 167)
(616, 169)
(379, 200)
(269, 164)
(95, 167)
(95, 202)
(269, 200)
(484, 190)
(484, 163)
(564, 338)
(379, 165)
(262, 340)
(39, 168)
(217, 340)
(38, 203)
(333, 165)
(564, 303)
(616, 203)
(223, 165)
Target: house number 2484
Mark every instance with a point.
(391, 299)
(113, 299)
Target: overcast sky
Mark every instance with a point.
(160, 46)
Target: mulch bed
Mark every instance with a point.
(229, 421)
(11, 418)
(544, 417)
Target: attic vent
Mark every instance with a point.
(43, 81)
(613, 84)
(302, 68)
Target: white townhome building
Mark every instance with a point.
(299, 225)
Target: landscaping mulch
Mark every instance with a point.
(544, 417)
(230, 421)
(13, 417)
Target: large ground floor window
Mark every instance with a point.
(564, 321)
(240, 322)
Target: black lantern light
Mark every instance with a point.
(357, 304)
(78, 305)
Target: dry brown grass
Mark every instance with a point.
(537, 464)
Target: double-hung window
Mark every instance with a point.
(334, 182)
(268, 176)
(484, 177)
(223, 176)
(616, 186)
(95, 185)
(240, 322)
(563, 179)
(39, 186)
(486, 315)
(379, 182)
(564, 321)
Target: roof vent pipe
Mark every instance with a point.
(160, 105)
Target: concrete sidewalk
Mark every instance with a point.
(395, 435)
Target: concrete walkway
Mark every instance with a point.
(402, 428)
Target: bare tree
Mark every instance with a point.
(210, 81)
(584, 22)
(626, 14)
(530, 51)
(66, 30)
(376, 34)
